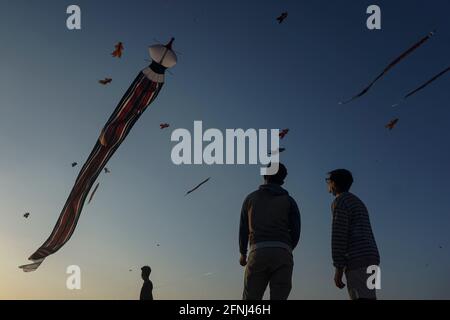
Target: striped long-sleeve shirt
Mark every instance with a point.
(353, 244)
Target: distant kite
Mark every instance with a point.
(164, 125)
(283, 133)
(93, 192)
(105, 81)
(390, 66)
(118, 50)
(106, 170)
(198, 186)
(282, 16)
(280, 150)
(74, 164)
(391, 125)
(140, 94)
(440, 74)
(26, 215)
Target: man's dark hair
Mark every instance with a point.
(146, 270)
(342, 178)
(279, 177)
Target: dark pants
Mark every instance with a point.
(357, 285)
(271, 266)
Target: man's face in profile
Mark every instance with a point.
(331, 187)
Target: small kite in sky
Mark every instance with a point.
(164, 125)
(440, 74)
(93, 192)
(282, 16)
(280, 150)
(105, 81)
(158, 245)
(118, 50)
(391, 65)
(283, 133)
(391, 125)
(198, 186)
(74, 164)
(106, 170)
(142, 92)
(26, 215)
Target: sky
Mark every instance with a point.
(237, 68)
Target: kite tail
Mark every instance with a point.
(413, 92)
(440, 74)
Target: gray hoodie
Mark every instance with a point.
(269, 218)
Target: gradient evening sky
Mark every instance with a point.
(237, 68)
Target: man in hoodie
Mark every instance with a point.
(270, 223)
(354, 249)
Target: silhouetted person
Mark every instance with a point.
(353, 245)
(147, 287)
(270, 221)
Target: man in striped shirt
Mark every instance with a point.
(353, 245)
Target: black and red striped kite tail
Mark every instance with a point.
(142, 92)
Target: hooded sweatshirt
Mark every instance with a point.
(269, 218)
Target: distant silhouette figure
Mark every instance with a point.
(270, 223)
(147, 287)
(352, 241)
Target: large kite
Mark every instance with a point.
(140, 94)
(391, 65)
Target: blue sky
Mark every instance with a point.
(237, 68)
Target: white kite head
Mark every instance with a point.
(163, 55)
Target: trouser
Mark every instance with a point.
(357, 285)
(271, 266)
